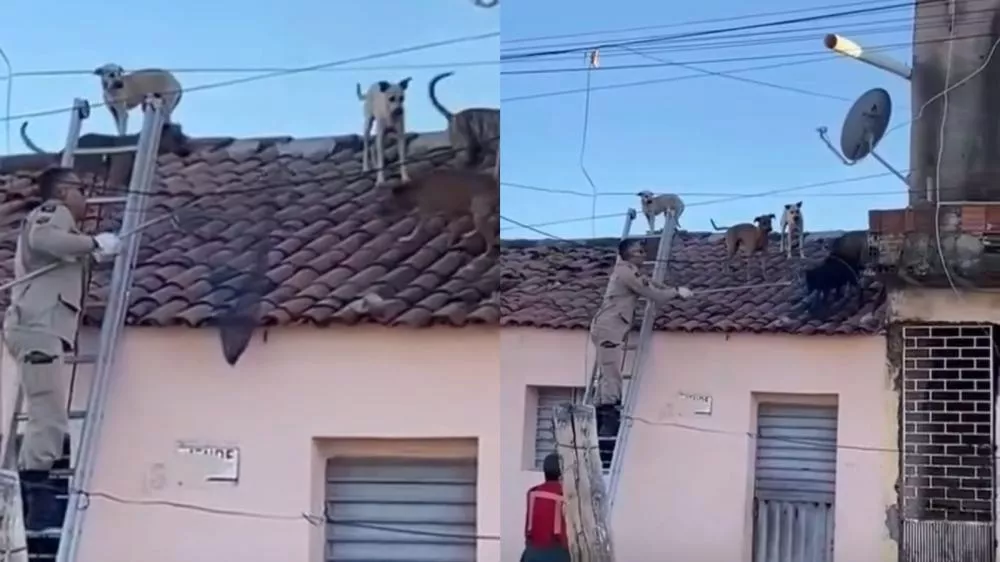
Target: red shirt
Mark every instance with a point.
(544, 524)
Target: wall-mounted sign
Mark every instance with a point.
(215, 462)
(699, 403)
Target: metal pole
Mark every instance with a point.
(846, 47)
(645, 335)
(76, 118)
(111, 327)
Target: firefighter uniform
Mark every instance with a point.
(613, 322)
(40, 325)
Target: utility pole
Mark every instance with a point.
(970, 164)
(586, 507)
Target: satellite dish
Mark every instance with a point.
(865, 124)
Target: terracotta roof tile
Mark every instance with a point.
(330, 246)
(560, 285)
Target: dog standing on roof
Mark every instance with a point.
(793, 227)
(472, 132)
(126, 91)
(384, 109)
(666, 204)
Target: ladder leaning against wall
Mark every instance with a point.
(613, 450)
(75, 471)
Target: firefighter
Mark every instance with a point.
(40, 326)
(612, 323)
(544, 524)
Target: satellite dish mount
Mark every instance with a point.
(866, 123)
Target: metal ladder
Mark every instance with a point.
(635, 354)
(63, 545)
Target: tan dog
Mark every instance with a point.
(751, 238)
(124, 92)
(472, 131)
(384, 103)
(453, 194)
(664, 204)
(793, 226)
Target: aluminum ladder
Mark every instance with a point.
(632, 360)
(77, 468)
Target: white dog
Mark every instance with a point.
(124, 92)
(664, 204)
(793, 226)
(384, 108)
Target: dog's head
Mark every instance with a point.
(793, 212)
(112, 76)
(646, 197)
(393, 96)
(765, 222)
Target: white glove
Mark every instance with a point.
(108, 245)
(684, 292)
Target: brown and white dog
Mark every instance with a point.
(473, 131)
(384, 108)
(452, 194)
(751, 238)
(126, 91)
(793, 227)
(664, 204)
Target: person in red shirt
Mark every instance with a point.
(544, 524)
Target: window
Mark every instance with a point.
(433, 496)
(548, 398)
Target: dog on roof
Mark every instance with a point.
(124, 91)
(751, 238)
(472, 132)
(793, 227)
(451, 193)
(383, 108)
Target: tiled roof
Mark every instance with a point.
(330, 245)
(560, 285)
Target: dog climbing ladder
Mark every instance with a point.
(632, 361)
(63, 544)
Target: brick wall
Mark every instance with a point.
(947, 404)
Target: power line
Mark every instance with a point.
(288, 72)
(260, 69)
(755, 15)
(716, 31)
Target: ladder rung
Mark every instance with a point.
(105, 150)
(81, 359)
(46, 534)
(73, 415)
(107, 200)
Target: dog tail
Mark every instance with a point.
(717, 228)
(28, 142)
(358, 92)
(434, 101)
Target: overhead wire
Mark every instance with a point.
(687, 23)
(700, 33)
(289, 71)
(591, 62)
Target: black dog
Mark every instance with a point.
(828, 278)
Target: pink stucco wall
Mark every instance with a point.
(285, 405)
(685, 492)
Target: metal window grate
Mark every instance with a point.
(548, 398)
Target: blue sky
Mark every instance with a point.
(698, 136)
(230, 33)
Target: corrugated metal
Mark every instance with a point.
(548, 398)
(436, 498)
(795, 478)
(947, 541)
(796, 452)
(793, 531)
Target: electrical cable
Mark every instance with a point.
(516, 40)
(286, 72)
(591, 59)
(703, 33)
(8, 98)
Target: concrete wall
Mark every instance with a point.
(687, 485)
